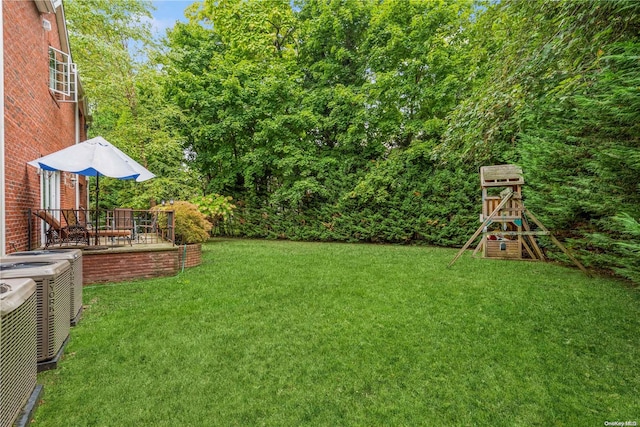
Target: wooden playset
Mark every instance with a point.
(505, 229)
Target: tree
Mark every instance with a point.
(109, 39)
(417, 65)
(558, 96)
(113, 47)
(366, 120)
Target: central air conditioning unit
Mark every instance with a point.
(53, 280)
(74, 256)
(18, 346)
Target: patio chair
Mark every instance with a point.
(147, 227)
(83, 217)
(121, 225)
(76, 230)
(123, 221)
(55, 232)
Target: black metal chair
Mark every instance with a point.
(77, 232)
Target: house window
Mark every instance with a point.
(62, 75)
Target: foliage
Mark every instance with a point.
(559, 96)
(290, 130)
(112, 45)
(107, 37)
(217, 209)
(629, 248)
(401, 200)
(191, 226)
(622, 248)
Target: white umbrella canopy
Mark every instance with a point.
(94, 157)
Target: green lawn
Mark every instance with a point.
(287, 333)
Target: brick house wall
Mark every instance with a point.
(36, 123)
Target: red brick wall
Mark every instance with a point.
(35, 123)
(110, 266)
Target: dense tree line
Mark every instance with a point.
(359, 120)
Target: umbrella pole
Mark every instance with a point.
(97, 200)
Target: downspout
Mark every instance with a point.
(77, 119)
(3, 234)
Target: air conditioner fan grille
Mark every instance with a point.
(53, 314)
(76, 286)
(18, 355)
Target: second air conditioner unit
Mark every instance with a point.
(74, 256)
(18, 346)
(53, 279)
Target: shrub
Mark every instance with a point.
(216, 208)
(191, 226)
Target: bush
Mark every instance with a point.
(216, 208)
(191, 226)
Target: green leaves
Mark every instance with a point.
(559, 97)
(112, 44)
(365, 120)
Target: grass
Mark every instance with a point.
(287, 333)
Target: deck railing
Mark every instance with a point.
(114, 227)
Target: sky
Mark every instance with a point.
(167, 13)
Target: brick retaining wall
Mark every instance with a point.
(121, 264)
(194, 255)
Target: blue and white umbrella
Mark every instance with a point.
(94, 157)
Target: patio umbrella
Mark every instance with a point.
(94, 157)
